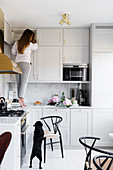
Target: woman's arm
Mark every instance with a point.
(14, 49)
(33, 46)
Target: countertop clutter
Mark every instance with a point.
(10, 121)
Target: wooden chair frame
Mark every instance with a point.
(103, 162)
(90, 148)
(55, 122)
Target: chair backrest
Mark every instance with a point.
(5, 139)
(88, 143)
(52, 123)
(103, 162)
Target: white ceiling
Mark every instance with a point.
(35, 13)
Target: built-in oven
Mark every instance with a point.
(23, 139)
(75, 72)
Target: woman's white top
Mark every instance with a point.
(25, 57)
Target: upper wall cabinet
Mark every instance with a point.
(76, 45)
(77, 55)
(49, 36)
(49, 63)
(76, 37)
(7, 32)
(16, 35)
(32, 75)
(103, 38)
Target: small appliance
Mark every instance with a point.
(3, 104)
(82, 97)
(75, 72)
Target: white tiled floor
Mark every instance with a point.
(73, 160)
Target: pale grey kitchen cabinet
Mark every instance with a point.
(12, 157)
(49, 66)
(47, 60)
(7, 44)
(7, 52)
(33, 115)
(76, 36)
(7, 32)
(103, 37)
(81, 125)
(78, 55)
(102, 80)
(76, 45)
(102, 59)
(33, 75)
(102, 126)
(65, 124)
(49, 36)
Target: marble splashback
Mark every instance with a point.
(44, 91)
(3, 86)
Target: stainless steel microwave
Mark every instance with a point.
(75, 72)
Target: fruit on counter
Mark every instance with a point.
(37, 102)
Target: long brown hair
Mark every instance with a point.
(24, 41)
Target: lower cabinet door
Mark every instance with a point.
(79, 125)
(65, 131)
(28, 133)
(103, 125)
(11, 159)
(33, 116)
(65, 124)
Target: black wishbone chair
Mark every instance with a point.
(88, 143)
(52, 124)
(103, 162)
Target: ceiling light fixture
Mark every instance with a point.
(65, 19)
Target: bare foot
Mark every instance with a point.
(21, 101)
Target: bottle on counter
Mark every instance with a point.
(14, 95)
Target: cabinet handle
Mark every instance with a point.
(38, 41)
(64, 59)
(34, 76)
(37, 76)
(64, 42)
(59, 63)
(23, 133)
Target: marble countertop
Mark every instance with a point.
(30, 105)
(9, 121)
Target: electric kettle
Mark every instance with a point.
(3, 104)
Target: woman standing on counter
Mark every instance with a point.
(22, 49)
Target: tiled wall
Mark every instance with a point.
(4, 87)
(44, 91)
